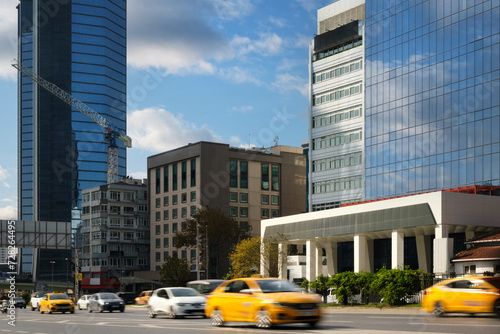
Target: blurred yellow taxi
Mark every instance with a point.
(463, 295)
(56, 302)
(263, 301)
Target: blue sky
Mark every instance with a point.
(231, 71)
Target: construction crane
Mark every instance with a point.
(111, 132)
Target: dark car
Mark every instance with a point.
(105, 301)
(127, 297)
(19, 302)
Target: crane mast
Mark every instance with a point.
(111, 132)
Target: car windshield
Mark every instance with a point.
(271, 286)
(494, 281)
(184, 292)
(18, 298)
(55, 297)
(108, 296)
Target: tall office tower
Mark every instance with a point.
(432, 96)
(80, 46)
(336, 109)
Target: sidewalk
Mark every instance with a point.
(373, 310)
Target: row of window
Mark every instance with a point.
(275, 180)
(113, 195)
(175, 176)
(337, 71)
(338, 48)
(112, 262)
(338, 139)
(338, 161)
(175, 213)
(175, 199)
(166, 255)
(337, 93)
(117, 235)
(341, 184)
(243, 173)
(116, 222)
(333, 205)
(243, 198)
(337, 116)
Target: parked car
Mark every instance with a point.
(463, 295)
(83, 302)
(56, 302)
(143, 297)
(4, 305)
(36, 298)
(105, 301)
(127, 297)
(176, 302)
(19, 302)
(263, 301)
(205, 286)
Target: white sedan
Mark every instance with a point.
(176, 302)
(83, 302)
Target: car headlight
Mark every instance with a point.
(53, 304)
(106, 303)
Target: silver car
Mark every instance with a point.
(176, 302)
(105, 301)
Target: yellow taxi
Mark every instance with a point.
(263, 301)
(56, 302)
(463, 295)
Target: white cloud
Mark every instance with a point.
(242, 109)
(4, 175)
(238, 75)
(277, 22)
(233, 9)
(8, 212)
(158, 130)
(8, 38)
(286, 83)
(268, 44)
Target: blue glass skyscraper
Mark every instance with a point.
(432, 102)
(79, 45)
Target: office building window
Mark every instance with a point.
(184, 197)
(165, 201)
(275, 200)
(193, 210)
(174, 213)
(184, 212)
(174, 228)
(193, 196)
(243, 212)
(338, 70)
(340, 161)
(337, 116)
(157, 180)
(165, 228)
(184, 254)
(158, 259)
(193, 254)
(275, 177)
(165, 179)
(174, 177)
(193, 172)
(338, 93)
(158, 229)
(184, 175)
(275, 213)
(265, 199)
(165, 214)
(233, 197)
(338, 139)
(158, 202)
(244, 198)
(174, 199)
(157, 215)
(265, 213)
(265, 177)
(341, 184)
(165, 255)
(470, 269)
(233, 211)
(166, 242)
(244, 174)
(233, 173)
(158, 242)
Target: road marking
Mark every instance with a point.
(448, 324)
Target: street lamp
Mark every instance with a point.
(52, 263)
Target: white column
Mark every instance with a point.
(264, 270)
(424, 251)
(282, 261)
(331, 257)
(361, 256)
(443, 250)
(310, 260)
(397, 250)
(319, 259)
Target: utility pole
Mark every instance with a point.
(52, 263)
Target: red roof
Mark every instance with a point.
(491, 252)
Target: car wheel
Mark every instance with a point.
(99, 308)
(438, 309)
(71, 312)
(89, 309)
(110, 311)
(152, 313)
(50, 312)
(313, 324)
(79, 307)
(263, 319)
(32, 308)
(496, 308)
(122, 310)
(171, 313)
(216, 318)
(63, 312)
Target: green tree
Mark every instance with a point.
(215, 234)
(245, 258)
(321, 283)
(344, 286)
(394, 285)
(175, 271)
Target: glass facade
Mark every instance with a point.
(81, 47)
(432, 107)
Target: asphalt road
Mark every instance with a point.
(135, 320)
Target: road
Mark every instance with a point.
(135, 320)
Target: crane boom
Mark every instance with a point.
(111, 131)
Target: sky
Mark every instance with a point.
(228, 71)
